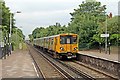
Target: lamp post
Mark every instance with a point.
(16, 34)
(106, 36)
(11, 28)
(0, 41)
(1, 12)
(11, 21)
(1, 37)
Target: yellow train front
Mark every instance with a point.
(62, 45)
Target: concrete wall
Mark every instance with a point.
(110, 67)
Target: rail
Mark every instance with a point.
(110, 67)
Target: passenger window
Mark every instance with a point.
(52, 42)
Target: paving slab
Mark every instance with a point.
(18, 65)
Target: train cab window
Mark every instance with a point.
(74, 40)
(62, 40)
(68, 40)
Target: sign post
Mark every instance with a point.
(106, 36)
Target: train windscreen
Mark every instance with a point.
(68, 39)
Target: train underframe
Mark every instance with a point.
(56, 55)
(64, 55)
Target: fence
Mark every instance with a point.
(4, 51)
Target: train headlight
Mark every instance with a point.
(75, 48)
(62, 48)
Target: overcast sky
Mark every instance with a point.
(42, 13)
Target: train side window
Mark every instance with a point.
(52, 41)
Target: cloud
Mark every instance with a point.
(43, 18)
(42, 5)
(36, 13)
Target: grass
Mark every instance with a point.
(20, 46)
(24, 46)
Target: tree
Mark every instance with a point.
(5, 14)
(85, 21)
(30, 37)
(49, 31)
(112, 30)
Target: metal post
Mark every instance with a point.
(100, 47)
(10, 39)
(16, 38)
(5, 52)
(7, 46)
(106, 37)
(1, 52)
(109, 47)
(10, 25)
(0, 42)
(10, 47)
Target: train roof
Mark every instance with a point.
(68, 34)
(55, 36)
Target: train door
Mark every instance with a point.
(74, 44)
(55, 43)
(68, 44)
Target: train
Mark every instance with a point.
(60, 46)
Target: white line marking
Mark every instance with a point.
(35, 69)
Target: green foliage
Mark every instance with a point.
(24, 46)
(90, 0)
(89, 22)
(115, 39)
(19, 32)
(85, 21)
(17, 35)
(31, 37)
(112, 30)
(51, 30)
(17, 38)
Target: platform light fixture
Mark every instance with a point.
(11, 27)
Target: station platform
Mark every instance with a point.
(115, 57)
(18, 65)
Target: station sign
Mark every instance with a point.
(9, 35)
(104, 35)
(1, 44)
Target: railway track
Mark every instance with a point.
(86, 70)
(98, 72)
(78, 75)
(111, 68)
(47, 69)
(70, 70)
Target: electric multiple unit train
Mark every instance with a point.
(62, 45)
